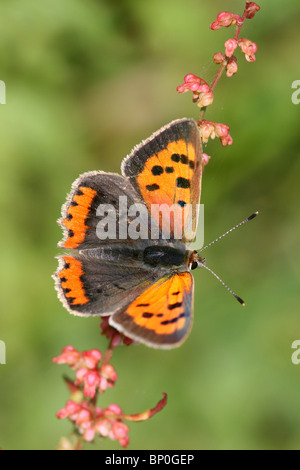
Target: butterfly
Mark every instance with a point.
(143, 283)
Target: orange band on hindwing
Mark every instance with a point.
(161, 308)
(77, 213)
(71, 283)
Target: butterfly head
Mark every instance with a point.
(195, 261)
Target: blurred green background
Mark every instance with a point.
(85, 82)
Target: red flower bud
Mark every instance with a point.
(218, 58)
(206, 158)
(232, 66)
(249, 48)
(69, 356)
(230, 47)
(193, 83)
(205, 99)
(225, 18)
(212, 130)
(251, 9)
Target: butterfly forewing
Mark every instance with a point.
(166, 170)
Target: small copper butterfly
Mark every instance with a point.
(143, 283)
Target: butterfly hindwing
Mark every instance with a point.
(166, 169)
(161, 316)
(94, 282)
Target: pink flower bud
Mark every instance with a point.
(226, 140)
(230, 47)
(249, 48)
(232, 66)
(205, 158)
(70, 409)
(215, 26)
(124, 441)
(205, 99)
(89, 434)
(251, 9)
(211, 130)
(112, 410)
(119, 429)
(218, 58)
(221, 130)
(103, 427)
(225, 18)
(207, 131)
(193, 83)
(91, 383)
(69, 356)
(91, 358)
(109, 372)
(90, 380)
(83, 416)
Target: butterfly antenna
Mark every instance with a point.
(223, 284)
(252, 216)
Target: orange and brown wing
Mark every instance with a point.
(79, 214)
(166, 169)
(100, 284)
(161, 317)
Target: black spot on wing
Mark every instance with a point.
(175, 157)
(147, 315)
(152, 187)
(183, 183)
(176, 305)
(173, 320)
(157, 170)
(181, 203)
(184, 159)
(169, 169)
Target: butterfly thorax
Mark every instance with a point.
(166, 255)
(172, 256)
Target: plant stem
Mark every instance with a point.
(108, 354)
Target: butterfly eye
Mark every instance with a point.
(194, 265)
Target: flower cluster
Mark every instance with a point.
(91, 420)
(212, 130)
(248, 47)
(226, 19)
(93, 376)
(202, 92)
(88, 372)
